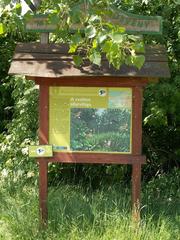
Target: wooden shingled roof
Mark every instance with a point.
(53, 61)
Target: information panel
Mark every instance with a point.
(90, 119)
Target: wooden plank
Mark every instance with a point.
(86, 81)
(96, 158)
(41, 48)
(44, 114)
(44, 38)
(43, 190)
(136, 191)
(66, 68)
(59, 57)
(63, 48)
(137, 120)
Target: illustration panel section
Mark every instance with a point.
(100, 130)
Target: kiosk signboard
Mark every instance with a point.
(93, 119)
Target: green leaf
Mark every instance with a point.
(77, 60)
(90, 31)
(101, 38)
(139, 47)
(138, 61)
(18, 8)
(76, 38)
(116, 63)
(54, 19)
(72, 48)
(95, 57)
(94, 19)
(94, 44)
(116, 37)
(107, 46)
(2, 29)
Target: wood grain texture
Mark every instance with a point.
(92, 81)
(52, 60)
(63, 48)
(137, 120)
(136, 191)
(43, 190)
(43, 114)
(96, 158)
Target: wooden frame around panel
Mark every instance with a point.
(106, 158)
(135, 159)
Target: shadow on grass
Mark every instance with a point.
(70, 204)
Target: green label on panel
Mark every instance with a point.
(40, 151)
(90, 119)
(134, 23)
(39, 24)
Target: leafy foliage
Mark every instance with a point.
(100, 130)
(21, 132)
(83, 25)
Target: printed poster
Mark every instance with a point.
(90, 119)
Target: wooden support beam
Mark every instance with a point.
(137, 150)
(136, 191)
(43, 191)
(43, 164)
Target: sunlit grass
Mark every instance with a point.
(77, 212)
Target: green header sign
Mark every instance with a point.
(137, 23)
(39, 23)
(40, 151)
(131, 22)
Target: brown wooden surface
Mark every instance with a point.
(43, 114)
(137, 120)
(93, 158)
(92, 81)
(43, 190)
(43, 60)
(63, 48)
(136, 190)
(46, 68)
(43, 140)
(136, 149)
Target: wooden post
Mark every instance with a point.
(43, 191)
(136, 150)
(43, 139)
(136, 191)
(43, 164)
(44, 38)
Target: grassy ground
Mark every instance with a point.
(76, 212)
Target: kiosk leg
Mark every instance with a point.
(136, 189)
(43, 190)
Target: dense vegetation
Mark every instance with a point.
(77, 213)
(100, 129)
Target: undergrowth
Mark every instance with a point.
(79, 212)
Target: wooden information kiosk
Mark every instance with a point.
(67, 95)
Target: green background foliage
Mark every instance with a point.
(108, 131)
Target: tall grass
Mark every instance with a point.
(77, 212)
